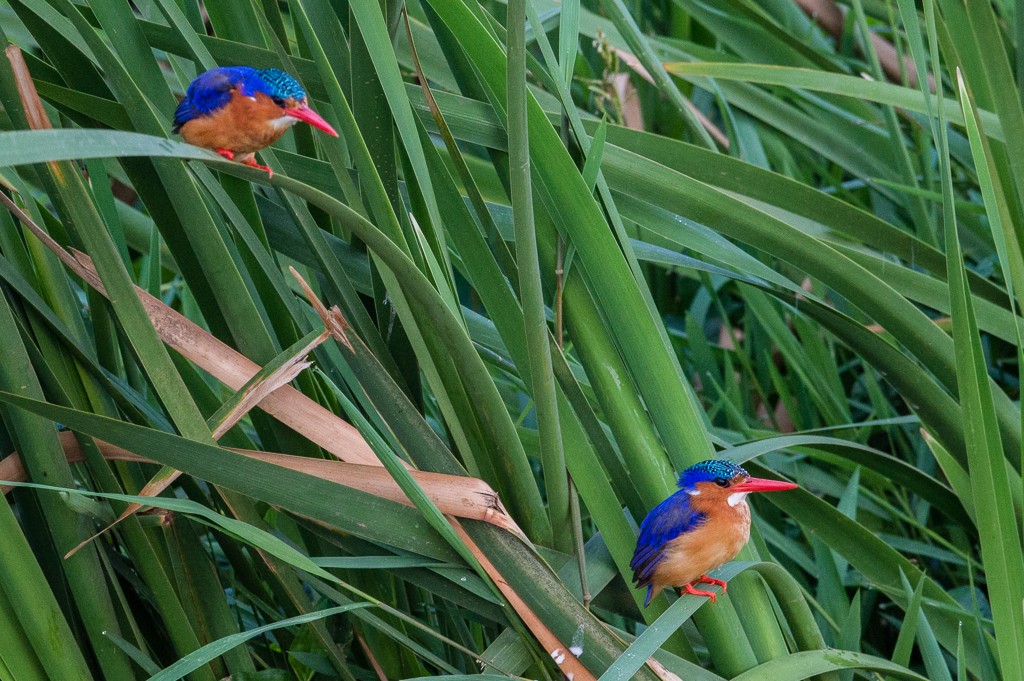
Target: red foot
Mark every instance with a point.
(704, 579)
(226, 153)
(698, 592)
(253, 164)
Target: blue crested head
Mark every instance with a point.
(212, 90)
(280, 85)
(711, 470)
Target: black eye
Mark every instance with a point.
(722, 482)
(278, 100)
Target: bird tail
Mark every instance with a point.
(650, 592)
(182, 115)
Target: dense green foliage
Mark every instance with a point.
(577, 246)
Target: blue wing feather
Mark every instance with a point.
(212, 90)
(671, 518)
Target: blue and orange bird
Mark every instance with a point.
(238, 110)
(697, 529)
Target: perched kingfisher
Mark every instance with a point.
(700, 527)
(238, 110)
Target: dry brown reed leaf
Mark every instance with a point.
(559, 652)
(454, 495)
(34, 111)
(661, 671)
(368, 652)
(629, 99)
(256, 392)
(630, 60)
(333, 320)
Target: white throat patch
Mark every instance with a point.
(284, 121)
(737, 498)
(693, 492)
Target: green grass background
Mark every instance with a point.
(581, 246)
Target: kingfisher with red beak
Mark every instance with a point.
(697, 529)
(238, 110)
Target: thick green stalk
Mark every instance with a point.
(556, 484)
(760, 625)
(648, 468)
(794, 606)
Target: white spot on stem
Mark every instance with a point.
(577, 642)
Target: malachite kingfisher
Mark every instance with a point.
(238, 110)
(697, 529)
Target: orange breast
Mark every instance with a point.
(242, 125)
(711, 545)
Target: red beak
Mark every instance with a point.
(304, 113)
(762, 485)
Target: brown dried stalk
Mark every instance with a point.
(454, 495)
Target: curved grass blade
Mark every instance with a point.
(217, 648)
(659, 631)
(833, 83)
(999, 531)
(812, 662)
